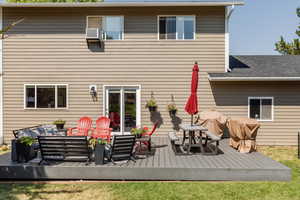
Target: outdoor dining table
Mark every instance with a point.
(191, 130)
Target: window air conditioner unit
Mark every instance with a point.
(93, 33)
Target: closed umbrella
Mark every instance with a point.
(191, 106)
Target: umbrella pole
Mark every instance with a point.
(192, 120)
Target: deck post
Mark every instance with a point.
(299, 145)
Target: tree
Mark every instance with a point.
(50, 1)
(8, 27)
(290, 48)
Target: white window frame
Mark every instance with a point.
(138, 101)
(102, 16)
(272, 108)
(46, 84)
(194, 33)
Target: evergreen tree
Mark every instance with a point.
(290, 48)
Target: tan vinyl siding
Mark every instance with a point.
(232, 100)
(50, 47)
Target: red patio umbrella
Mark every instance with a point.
(191, 106)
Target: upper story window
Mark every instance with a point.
(261, 108)
(45, 96)
(176, 27)
(109, 27)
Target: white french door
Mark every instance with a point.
(123, 107)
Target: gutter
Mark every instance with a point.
(215, 79)
(122, 4)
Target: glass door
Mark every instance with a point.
(122, 106)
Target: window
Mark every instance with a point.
(176, 27)
(45, 96)
(110, 27)
(261, 108)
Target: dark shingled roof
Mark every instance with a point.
(262, 66)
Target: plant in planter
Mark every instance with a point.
(59, 123)
(151, 103)
(138, 132)
(172, 107)
(25, 149)
(98, 145)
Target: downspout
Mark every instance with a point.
(228, 12)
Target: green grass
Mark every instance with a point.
(168, 190)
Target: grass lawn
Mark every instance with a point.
(168, 190)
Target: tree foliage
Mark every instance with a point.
(8, 27)
(50, 1)
(290, 48)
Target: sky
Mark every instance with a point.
(256, 26)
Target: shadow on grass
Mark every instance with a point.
(31, 191)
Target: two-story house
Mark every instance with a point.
(130, 51)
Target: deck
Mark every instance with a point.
(162, 164)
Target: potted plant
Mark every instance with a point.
(98, 145)
(172, 109)
(138, 132)
(151, 104)
(25, 150)
(59, 124)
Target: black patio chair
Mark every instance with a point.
(121, 148)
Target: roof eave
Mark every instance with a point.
(215, 79)
(121, 4)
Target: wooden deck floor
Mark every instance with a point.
(162, 164)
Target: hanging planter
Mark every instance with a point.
(172, 112)
(172, 107)
(151, 104)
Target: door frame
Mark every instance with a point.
(138, 102)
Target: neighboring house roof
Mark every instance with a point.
(129, 3)
(262, 68)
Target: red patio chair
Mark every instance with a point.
(149, 134)
(114, 119)
(102, 129)
(83, 127)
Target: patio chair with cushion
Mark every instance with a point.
(121, 148)
(84, 126)
(34, 132)
(102, 129)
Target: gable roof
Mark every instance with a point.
(252, 68)
(129, 3)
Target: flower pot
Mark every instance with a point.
(99, 154)
(152, 108)
(172, 112)
(60, 126)
(25, 152)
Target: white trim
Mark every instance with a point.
(103, 24)
(35, 97)
(138, 102)
(254, 78)
(260, 98)
(122, 4)
(194, 32)
(1, 80)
